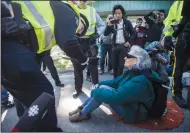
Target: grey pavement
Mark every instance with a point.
(102, 119)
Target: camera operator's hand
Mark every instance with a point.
(108, 20)
(155, 12)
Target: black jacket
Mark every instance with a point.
(155, 29)
(129, 32)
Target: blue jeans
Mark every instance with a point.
(91, 104)
(4, 95)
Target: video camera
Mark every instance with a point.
(155, 52)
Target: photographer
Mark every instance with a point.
(160, 56)
(155, 21)
(123, 36)
(140, 36)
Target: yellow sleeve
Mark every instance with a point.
(168, 30)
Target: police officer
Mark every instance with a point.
(88, 45)
(178, 24)
(21, 74)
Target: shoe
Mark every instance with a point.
(101, 72)
(78, 117)
(59, 84)
(180, 101)
(75, 111)
(76, 93)
(7, 104)
(88, 78)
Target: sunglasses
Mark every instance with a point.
(130, 56)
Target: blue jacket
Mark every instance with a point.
(129, 90)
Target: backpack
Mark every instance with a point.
(159, 103)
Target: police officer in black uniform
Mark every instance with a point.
(21, 74)
(182, 51)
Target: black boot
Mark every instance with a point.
(180, 101)
(58, 83)
(76, 93)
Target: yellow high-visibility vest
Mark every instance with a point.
(41, 17)
(90, 14)
(42, 20)
(174, 17)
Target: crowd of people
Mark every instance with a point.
(137, 56)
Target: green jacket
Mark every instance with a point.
(128, 91)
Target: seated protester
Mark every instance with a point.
(160, 56)
(140, 38)
(124, 93)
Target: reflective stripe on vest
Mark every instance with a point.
(44, 25)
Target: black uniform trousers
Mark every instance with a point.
(90, 50)
(182, 53)
(22, 77)
(118, 55)
(47, 60)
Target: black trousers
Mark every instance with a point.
(46, 59)
(106, 48)
(91, 51)
(182, 53)
(118, 54)
(22, 77)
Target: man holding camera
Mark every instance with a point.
(177, 24)
(88, 45)
(155, 21)
(123, 36)
(160, 56)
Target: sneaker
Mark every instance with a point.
(78, 117)
(180, 101)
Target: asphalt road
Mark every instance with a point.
(102, 120)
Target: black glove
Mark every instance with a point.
(93, 38)
(8, 26)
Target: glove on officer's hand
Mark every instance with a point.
(8, 25)
(93, 37)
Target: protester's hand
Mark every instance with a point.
(94, 86)
(127, 44)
